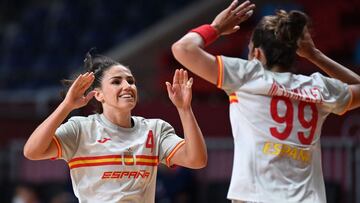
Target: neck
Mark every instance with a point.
(122, 119)
(279, 69)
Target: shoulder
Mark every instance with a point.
(317, 76)
(151, 121)
(237, 62)
(148, 120)
(84, 119)
(328, 81)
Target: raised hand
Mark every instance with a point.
(180, 91)
(306, 46)
(75, 97)
(228, 20)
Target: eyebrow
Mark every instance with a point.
(120, 77)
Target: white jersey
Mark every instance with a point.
(109, 163)
(276, 121)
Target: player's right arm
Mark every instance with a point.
(355, 103)
(189, 50)
(308, 50)
(40, 144)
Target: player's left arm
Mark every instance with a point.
(193, 153)
(308, 50)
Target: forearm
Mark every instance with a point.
(190, 53)
(195, 148)
(334, 69)
(40, 140)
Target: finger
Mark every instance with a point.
(236, 28)
(306, 32)
(241, 7)
(248, 14)
(84, 81)
(233, 5)
(189, 83)
(181, 77)
(169, 89)
(88, 83)
(89, 96)
(186, 76)
(76, 83)
(81, 80)
(83, 77)
(88, 78)
(243, 11)
(86, 74)
(176, 77)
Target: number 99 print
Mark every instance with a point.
(288, 119)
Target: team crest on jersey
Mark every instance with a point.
(129, 150)
(129, 157)
(103, 140)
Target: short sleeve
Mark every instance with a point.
(234, 72)
(169, 143)
(67, 139)
(336, 95)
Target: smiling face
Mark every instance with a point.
(118, 91)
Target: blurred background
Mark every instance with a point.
(44, 41)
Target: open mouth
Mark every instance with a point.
(127, 96)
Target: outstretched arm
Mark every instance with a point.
(189, 50)
(193, 153)
(40, 144)
(308, 50)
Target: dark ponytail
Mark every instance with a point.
(98, 65)
(278, 36)
(290, 26)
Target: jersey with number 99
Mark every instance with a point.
(276, 121)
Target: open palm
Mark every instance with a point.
(228, 20)
(179, 91)
(75, 97)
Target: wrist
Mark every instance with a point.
(64, 106)
(217, 28)
(313, 54)
(207, 32)
(184, 110)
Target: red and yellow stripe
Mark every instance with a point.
(172, 153)
(233, 98)
(147, 160)
(79, 162)
(58, 146)
(220, 71)
(95, 161)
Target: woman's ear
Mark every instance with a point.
(260, 55)
(99, 96)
